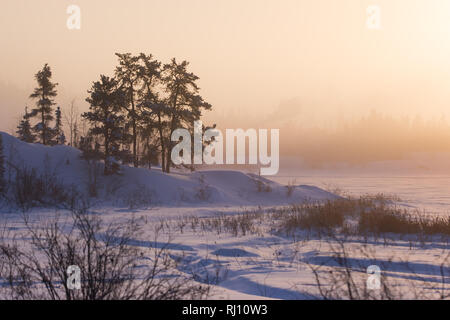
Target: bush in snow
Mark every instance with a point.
(33, 189)
(111, 266)
(261, 186)
(343, 277)
(204, 190)
(290, 188)
(140, 197)
(91, 155)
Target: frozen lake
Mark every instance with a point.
(431, 193)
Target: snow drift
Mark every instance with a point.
(143, 187)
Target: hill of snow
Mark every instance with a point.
(143, 187)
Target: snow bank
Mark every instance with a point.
(142, 187)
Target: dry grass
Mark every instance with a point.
(363, 216)
(387, 220)
(370, 214)
(313, 216)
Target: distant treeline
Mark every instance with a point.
(375, 137)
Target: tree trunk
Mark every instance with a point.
(172, 129)
(44, 142)
(163, 147)
(107, 163)
(170, 146)
(168, 161)
(133, 114)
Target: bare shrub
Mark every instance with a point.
(343, 276)
(261, 186)
(204, 191)
(94, 171)
(335, 189)
(237, 225)
(183, 196)
(32, 189)
(290, 188)
(344, 280)
(112, 266)
(140, 197)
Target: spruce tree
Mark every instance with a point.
(44, 94)
(60, 138)
(24, 131)
(127, 73)
(150, 118)
(184, 103)
(105, 99)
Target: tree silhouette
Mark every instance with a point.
(184, 104)
(106, 99)
(127, 73)
(60, 138)
(24, 131)
(44, 94)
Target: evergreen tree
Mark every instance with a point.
(2, 167)
(44, 94)
(149, 122)
(105, 99)
(204, 143)
(24, 131)
(184, 104)
(60, 138)
(127, 73)
(90, 149)
(155, 117)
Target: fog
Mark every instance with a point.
(336, 89)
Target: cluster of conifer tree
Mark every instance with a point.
(132, 114)
(43, 131)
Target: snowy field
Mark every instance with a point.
(227, 229)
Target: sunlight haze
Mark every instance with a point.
(258, 61)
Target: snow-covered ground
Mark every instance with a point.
(152, 187)
(262, 262)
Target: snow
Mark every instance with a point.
(263, 264)
(198, 189)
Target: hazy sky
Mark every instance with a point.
(258, 60)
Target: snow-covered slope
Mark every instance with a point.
(140, 186)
